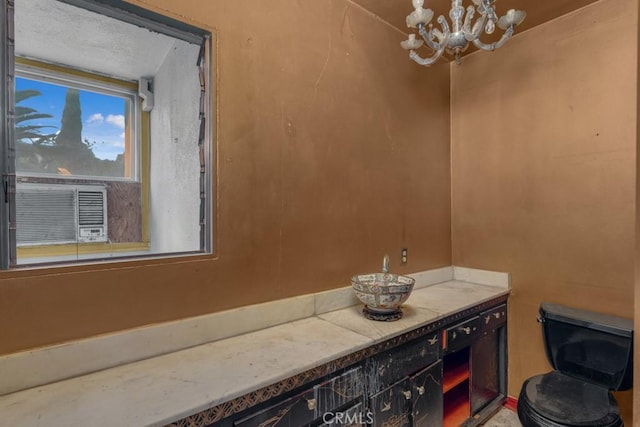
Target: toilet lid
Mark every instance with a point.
(569, 401)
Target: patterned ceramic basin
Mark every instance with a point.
(382, 292)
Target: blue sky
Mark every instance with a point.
(102, 115)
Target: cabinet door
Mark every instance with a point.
(391, 407)
(487, 372)
(426, 396)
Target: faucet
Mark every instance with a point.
(385, 263)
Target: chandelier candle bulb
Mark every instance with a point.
(454, 39)
(411, 43)
(420, 15)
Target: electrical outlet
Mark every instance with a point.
(403, 256)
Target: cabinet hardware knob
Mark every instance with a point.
(420, 390)
(407, 394)
(466, 330)
(311, 404)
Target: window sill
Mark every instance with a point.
(73, 252)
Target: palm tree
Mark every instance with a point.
(32, 133)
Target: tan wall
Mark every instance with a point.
(636, 376)
(543, 170)
(332, 149)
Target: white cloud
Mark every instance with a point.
(95, 118)
(116, 119)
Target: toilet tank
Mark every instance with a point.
(595, 347)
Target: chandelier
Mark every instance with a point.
(455, 39)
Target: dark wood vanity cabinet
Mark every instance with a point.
(452, 373)
(474, 368)
(404, 385)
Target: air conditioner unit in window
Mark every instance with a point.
(52, 214)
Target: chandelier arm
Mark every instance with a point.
(477, 28)
(440, 35)
(428, 37)
(442, 43)
(493, 46)
(426, 61)
(466, 27)
(445, 28)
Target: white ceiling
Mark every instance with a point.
(56, 32)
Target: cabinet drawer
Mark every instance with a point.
(311, 405)
(494, 318)
(339, 391)
(385, 368)
(462, 334)
(295, 411)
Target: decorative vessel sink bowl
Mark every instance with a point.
(382, 293)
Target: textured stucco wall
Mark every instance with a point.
(174, 194)
(56, 32)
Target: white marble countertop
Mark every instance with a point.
(163, 389)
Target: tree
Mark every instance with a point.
(31, 132)
(70, 135)
(66, 151)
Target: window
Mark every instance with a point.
(66, 125)
(106, 149)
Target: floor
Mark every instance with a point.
(504, 418)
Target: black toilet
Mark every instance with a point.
(591, 354)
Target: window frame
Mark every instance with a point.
(87, 81)
(153, 21)
(139, 148)
(7, 133)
